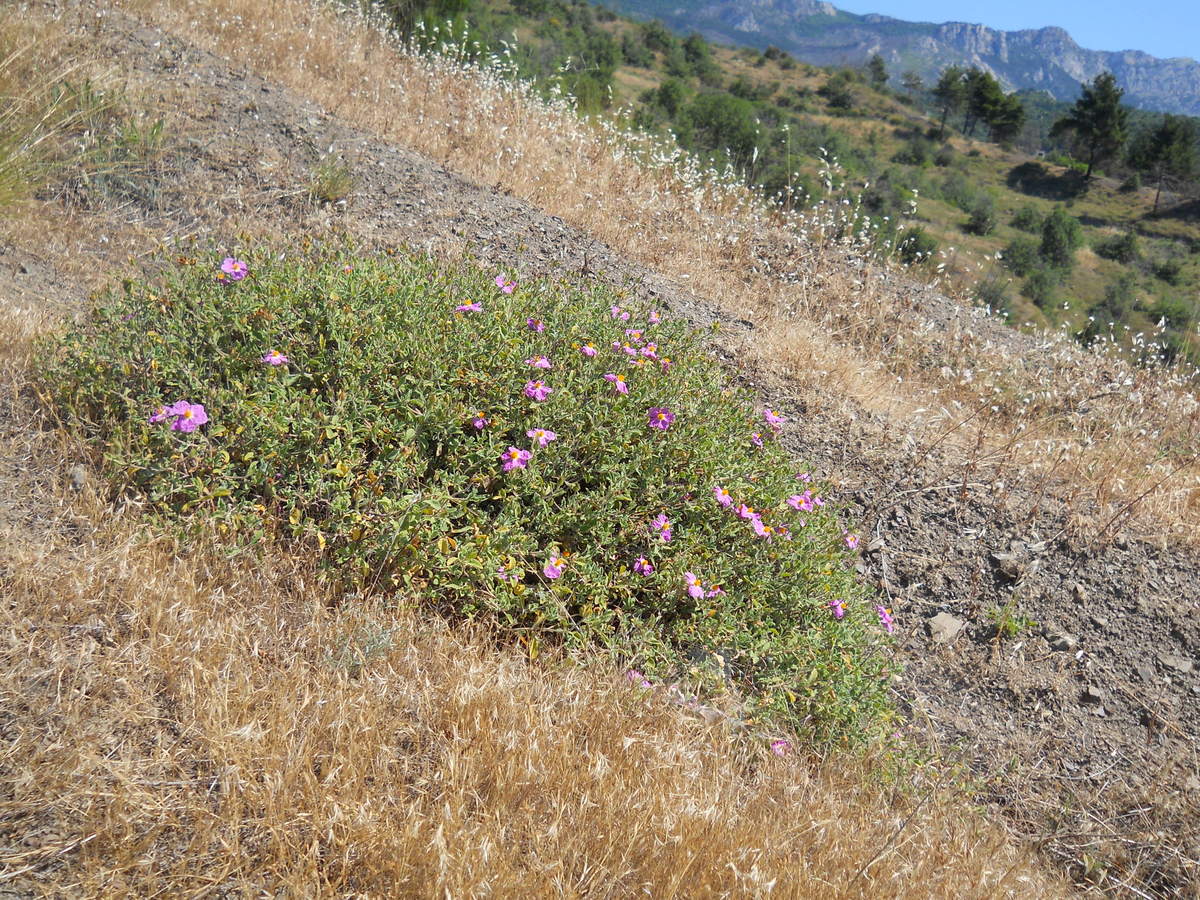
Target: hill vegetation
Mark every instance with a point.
(934, 192)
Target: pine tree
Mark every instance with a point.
(1167, 151)
(1098, 121)
(951, 93)
(877, 72)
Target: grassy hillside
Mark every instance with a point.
(776, 122)
(228, 701)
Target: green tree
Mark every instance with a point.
(837, 92)
(1167, 151)
(950, 92)
(984, 96)
(1098, 122)
(722, 122)
(1005, 119)
(699, 56)
(877, 72)
(912, 83)
(1061, 237)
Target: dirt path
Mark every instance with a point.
(1098, 703)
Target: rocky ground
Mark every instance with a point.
(1064, 672)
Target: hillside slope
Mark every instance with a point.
(1103, 720)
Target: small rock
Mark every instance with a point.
(1078, 592)
(1145, 671)
(78, 477)
(1192, 783)
(1178, 663)
(1092, 695)
(944, 628)
(1100, 622)
(1008, 564)
(1060, 639)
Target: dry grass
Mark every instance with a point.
(184, 723)
(190, 720)
(1100, 432)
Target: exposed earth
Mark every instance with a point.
(1064, 670)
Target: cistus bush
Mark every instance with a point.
(530, 452)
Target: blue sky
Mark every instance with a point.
(1160, 27)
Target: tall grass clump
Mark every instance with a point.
(536, 454)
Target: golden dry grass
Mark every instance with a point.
(187, 721)
(830, 317)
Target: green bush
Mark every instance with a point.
(916, 245)
(1122, 248)
(1061, 237)
(1169, 270)
(983, 217)
(1027, 218)
(1042, 288)
(1021, 256)
(380, 446)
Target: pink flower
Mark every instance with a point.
(160, 415)
(654, 317)
(505, 285)
(714, 591)
(474, 306)
(234, 269)
(885, 618)
(850, 539)
(781, 747)
(838, 607)
(761, 529)
(724, 498)
(541, 435)
(189, 416)
(480, 421)
(756, 439)
(745, 512)
(554, 566)
(535, 324)
(618, 313)
(537, 390)
(274, 358)
(515, 459)
(802, 502)
(538, 362)
(638, 678)
(663, 525)
(634, 334)
(803, 476)
(695, 587)
(618, 383)
(650, 351)
(643, 566)
(660, 417)
(665, 362)
(773, 418)
(588, 349)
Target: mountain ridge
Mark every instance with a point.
(1046, 58)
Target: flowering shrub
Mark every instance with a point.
(403, 441)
